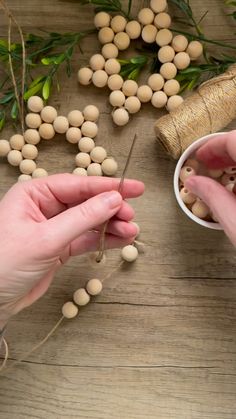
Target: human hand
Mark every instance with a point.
(47, 220)
(217, 153)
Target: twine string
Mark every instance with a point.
(6, 356)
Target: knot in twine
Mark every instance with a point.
(211, 108)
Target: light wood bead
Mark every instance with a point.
(168, 71)
(94, 169)
(69, 310)
(81, 297)
(200, 209)
(186, 172)
(187, 196)
(94, 286)
(61, 124)
(132, 104)
(164, 37)
(17, 142)
(89, 129)
(48, 114)
(118, 23)
(181, 60)
(120, 117)
(110, 51)
(29, 151)
(75, 118)
(73, 135)
(194, 50)
(226, 178)
(129, 253)
(31, 136)
(109, 167)
(46, 131)
(174, 102)
(14, 157)
(149, 33)
(115, 82)
(145, 16)
(122, 41)
(82, 160)
(112, 66)
(91, 113)
(93, 260)
(39, 172)
(215, 173)
(171, 87)
(230, 187)
(133, 29)
(156, 82)
(166, 54)
(33, 120)
(86, 144)
(80, 171)
(97, 62)
(130, 87)
(159, 99)
(158, 5)
(84, 76)
(24, 178)
(27, 166)
(144, 93)
(162, 20)
(105, 35)
(101, 20)
(100, 78)
(35, 104)
(117, 98)
(98, 154)
(179, 43)
(192, 163)
(230, 170)
(4, 148)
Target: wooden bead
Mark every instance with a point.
(31, 136)
(69, 310)
(194, 164)
(46, 131)
(27, 166)
(145, 16)
(29, 151)
(133, 29)
(120, 117)
(17, 142)
(110, 51)
(94, 286)
(171, 87)
(215, 173)
(129, 253)
(109, 167)
(39, 172)
(164, 37)
(35, 104)
(33, 120)
(186, 172)
(100, 78)
(122, 41)
(89, 129)
(102, 19)
(91, 113)
(48, 114)
(14, 157)
(144, 93)
(97, 62)
(105, 35)
(4, 148)
(112, 66)
(156, 82)
(75, 118)
(194, 50)
(93, 260)
(98, 154)
(230, 187)
(230, 170)
(174, 102)
(166, 54)
(80, 171)
(159, 99)
(187, 196)
(24, 178)
(81, 297)
(115, 82)
(73, 135)
(118, 23)
(162, 20)
(84, 76)
(132, 104)
(94, 169)
(86, 144)
(179, 43)
(117, 98)
(149, 33)
(181, 60)
(168, 71)
(226, 178)
(200, 209)
(158, 5)
(61, 124)
(130, 87)
(82, 160)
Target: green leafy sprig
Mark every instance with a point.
(113, 6)
(131, 68)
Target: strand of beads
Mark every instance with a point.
(43, 123)
(174, 53)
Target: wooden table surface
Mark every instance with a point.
(160, 341)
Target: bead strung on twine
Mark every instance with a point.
(206, 111)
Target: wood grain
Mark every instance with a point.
(160, 342)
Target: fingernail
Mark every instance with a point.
(113, 199)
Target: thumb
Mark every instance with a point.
(221, 202)
(68, 225)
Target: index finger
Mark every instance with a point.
(219, 152)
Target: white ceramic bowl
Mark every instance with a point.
(186, 154)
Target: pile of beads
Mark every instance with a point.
(43, 122)
(115, 34)
(192, 167)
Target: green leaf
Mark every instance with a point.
(14, 110)
(2, 119)
(35, 89)
(36, 81)
(7, 98)
(47, 88)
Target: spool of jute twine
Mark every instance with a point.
(211, 108)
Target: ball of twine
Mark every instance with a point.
(207, 111)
